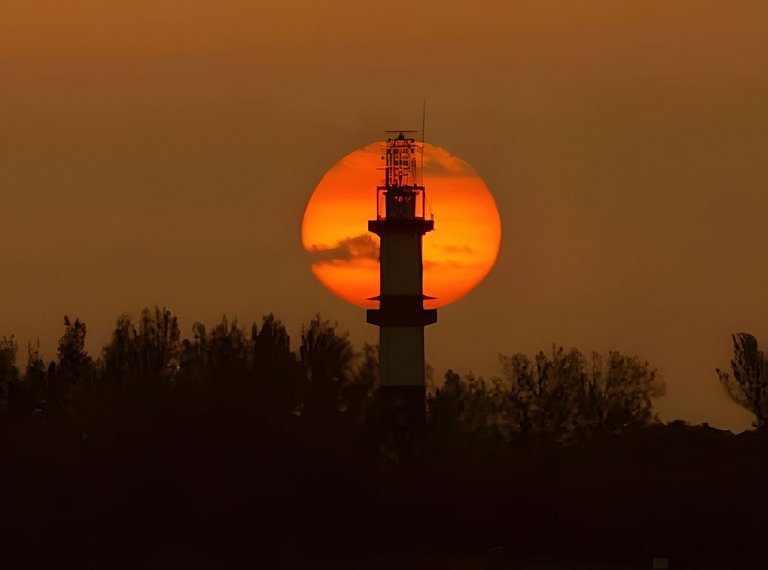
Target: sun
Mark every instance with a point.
(458, 254)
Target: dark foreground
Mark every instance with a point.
(224, 482)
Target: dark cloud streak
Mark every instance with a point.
(362, 246)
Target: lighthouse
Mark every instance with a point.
(401, 317)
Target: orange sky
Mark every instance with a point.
(163, 152)
(457, 254)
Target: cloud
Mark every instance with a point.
(439, 162)
(456, 249)
(449, 263)
(363, 246)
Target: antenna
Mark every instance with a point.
(423, 127)
(423, 143)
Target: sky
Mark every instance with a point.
(164, 152)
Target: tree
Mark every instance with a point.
(34, 385)
(193, 359)
(273, 364)
(158, 346)
(75, 365)
(546, 396)
(466, 406)
(120, 360)
(221, 356)
(35, 371)
(358, 391)
(553, 396)
(445, 407)
(227, 351)
(326, 357)
(621, 394)
(9, 372)
(749, 384)
(147, 356)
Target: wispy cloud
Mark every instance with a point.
(439, 162)
(450, 263)
(363, 246)
(456, 249)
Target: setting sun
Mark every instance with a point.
(458, 254)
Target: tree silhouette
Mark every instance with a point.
(621, 394)
(120, 359)
(468, 406)
(550, 395)
(9, 372)
(226, 351)
(75, 366)
(359, 389)
(218, 357)
(35, 371)
(543, 396)
(560, 395)
(147, 356)
(749, 384)
(194, 357)
(326, 357)
(553, 396)
(34, 386)
(158, 345)
(273, 365)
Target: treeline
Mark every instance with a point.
(149, 358)
(564, 395)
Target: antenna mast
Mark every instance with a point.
(423, 136)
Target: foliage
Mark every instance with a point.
(9, 372)
(272, 360)
(464, 406)
(555, 396)
(621, 394)
(327, 358)
(749, 384)
(145, 355)
(546, 396)
(75, 365)
(194, 357)
(35, 371)
(228, 354)
(561, 395)
(227, 349)
(367, 371)
(32, 393)
(358, 391)
(219, 356)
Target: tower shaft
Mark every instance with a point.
(401, 316)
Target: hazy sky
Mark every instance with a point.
(163, 153)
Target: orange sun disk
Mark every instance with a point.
(458, 254)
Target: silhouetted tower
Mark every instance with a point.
(400, 223)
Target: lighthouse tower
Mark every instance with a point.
(401, 224)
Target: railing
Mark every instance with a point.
(406, 203)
